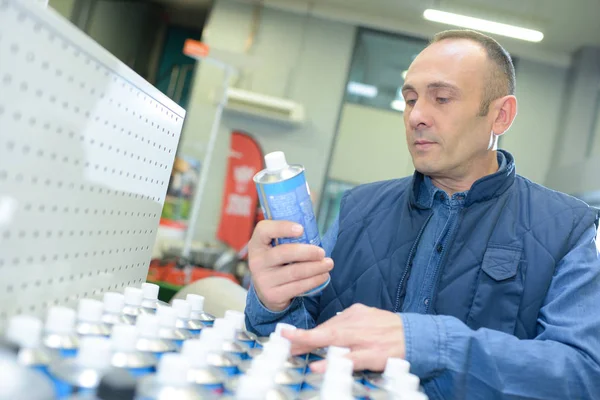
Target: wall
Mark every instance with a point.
(304, 59)
(531, 139)
(63, 7)
(370, 146)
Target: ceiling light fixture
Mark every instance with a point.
(362, 89)
(483, 25)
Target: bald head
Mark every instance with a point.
(499, 79)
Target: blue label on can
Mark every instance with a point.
(289, 200)
(142, 371)
(67, 353)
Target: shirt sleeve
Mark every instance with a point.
(302, 311)
(562, 362)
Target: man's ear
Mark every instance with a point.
(506, 110)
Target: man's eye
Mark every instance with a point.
(411, 102)
(442, 100)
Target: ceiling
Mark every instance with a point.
(566, 24)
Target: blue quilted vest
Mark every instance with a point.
(495, 270)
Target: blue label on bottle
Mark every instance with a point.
(142, 371)
(67, 353)
(289, 200)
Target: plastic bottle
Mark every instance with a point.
(184, 321)
(126, 355)
(227, 330)
(394, 367)
(239, 320)
(18, 382)
(201, 373)
(149, 340)
(89, 318)
(284, 195)
(227, 363)
(133, 302)
(82, 374)
(170, 382)
(59, 332)
(114, 385)
(151, 301)
(198, 313)
(167, 319)
(26, 332)
(113, 310)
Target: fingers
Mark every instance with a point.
(362, 359)
(293, 253)
(301, 271)
(268, 230)
(318, 367)
(367, 359)
(297, 288)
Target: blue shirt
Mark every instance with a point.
(439, 343)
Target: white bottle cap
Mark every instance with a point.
(94, 352)
(124, 338)
(196, 352)
(147, 326)
(90, 310)
(337, 387)
(25, 331)
(183, 308)
(211, 338)
(113, 302)
(265, 367)
(281, 326)
(196, 301)
(334, 351)
(403, 383)
(133, 296)
(167, 317)
(238, 318)
(226, 328)
(150, 291)
(339, 366)
(275, 161)
(395, 367)
(278, 345)
(251, 387)
(173, 370)
(60, 320)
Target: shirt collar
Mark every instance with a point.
(427, 190)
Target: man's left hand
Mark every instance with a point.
(373, 335)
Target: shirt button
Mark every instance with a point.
(426, 302)
(439, 248)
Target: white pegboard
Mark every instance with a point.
(86, 150)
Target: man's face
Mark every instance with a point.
(443, 93)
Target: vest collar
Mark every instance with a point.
(484, 189)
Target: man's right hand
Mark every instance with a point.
(283, 272)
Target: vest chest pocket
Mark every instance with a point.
(499, 290)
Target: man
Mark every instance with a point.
(486, 282)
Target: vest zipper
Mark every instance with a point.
(408, 266)
(443, 259)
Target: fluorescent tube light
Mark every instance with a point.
(362, 89)
(483, 25)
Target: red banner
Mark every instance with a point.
(240, 200)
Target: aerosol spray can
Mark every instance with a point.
(284, 195)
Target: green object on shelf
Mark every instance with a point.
(167, 290)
